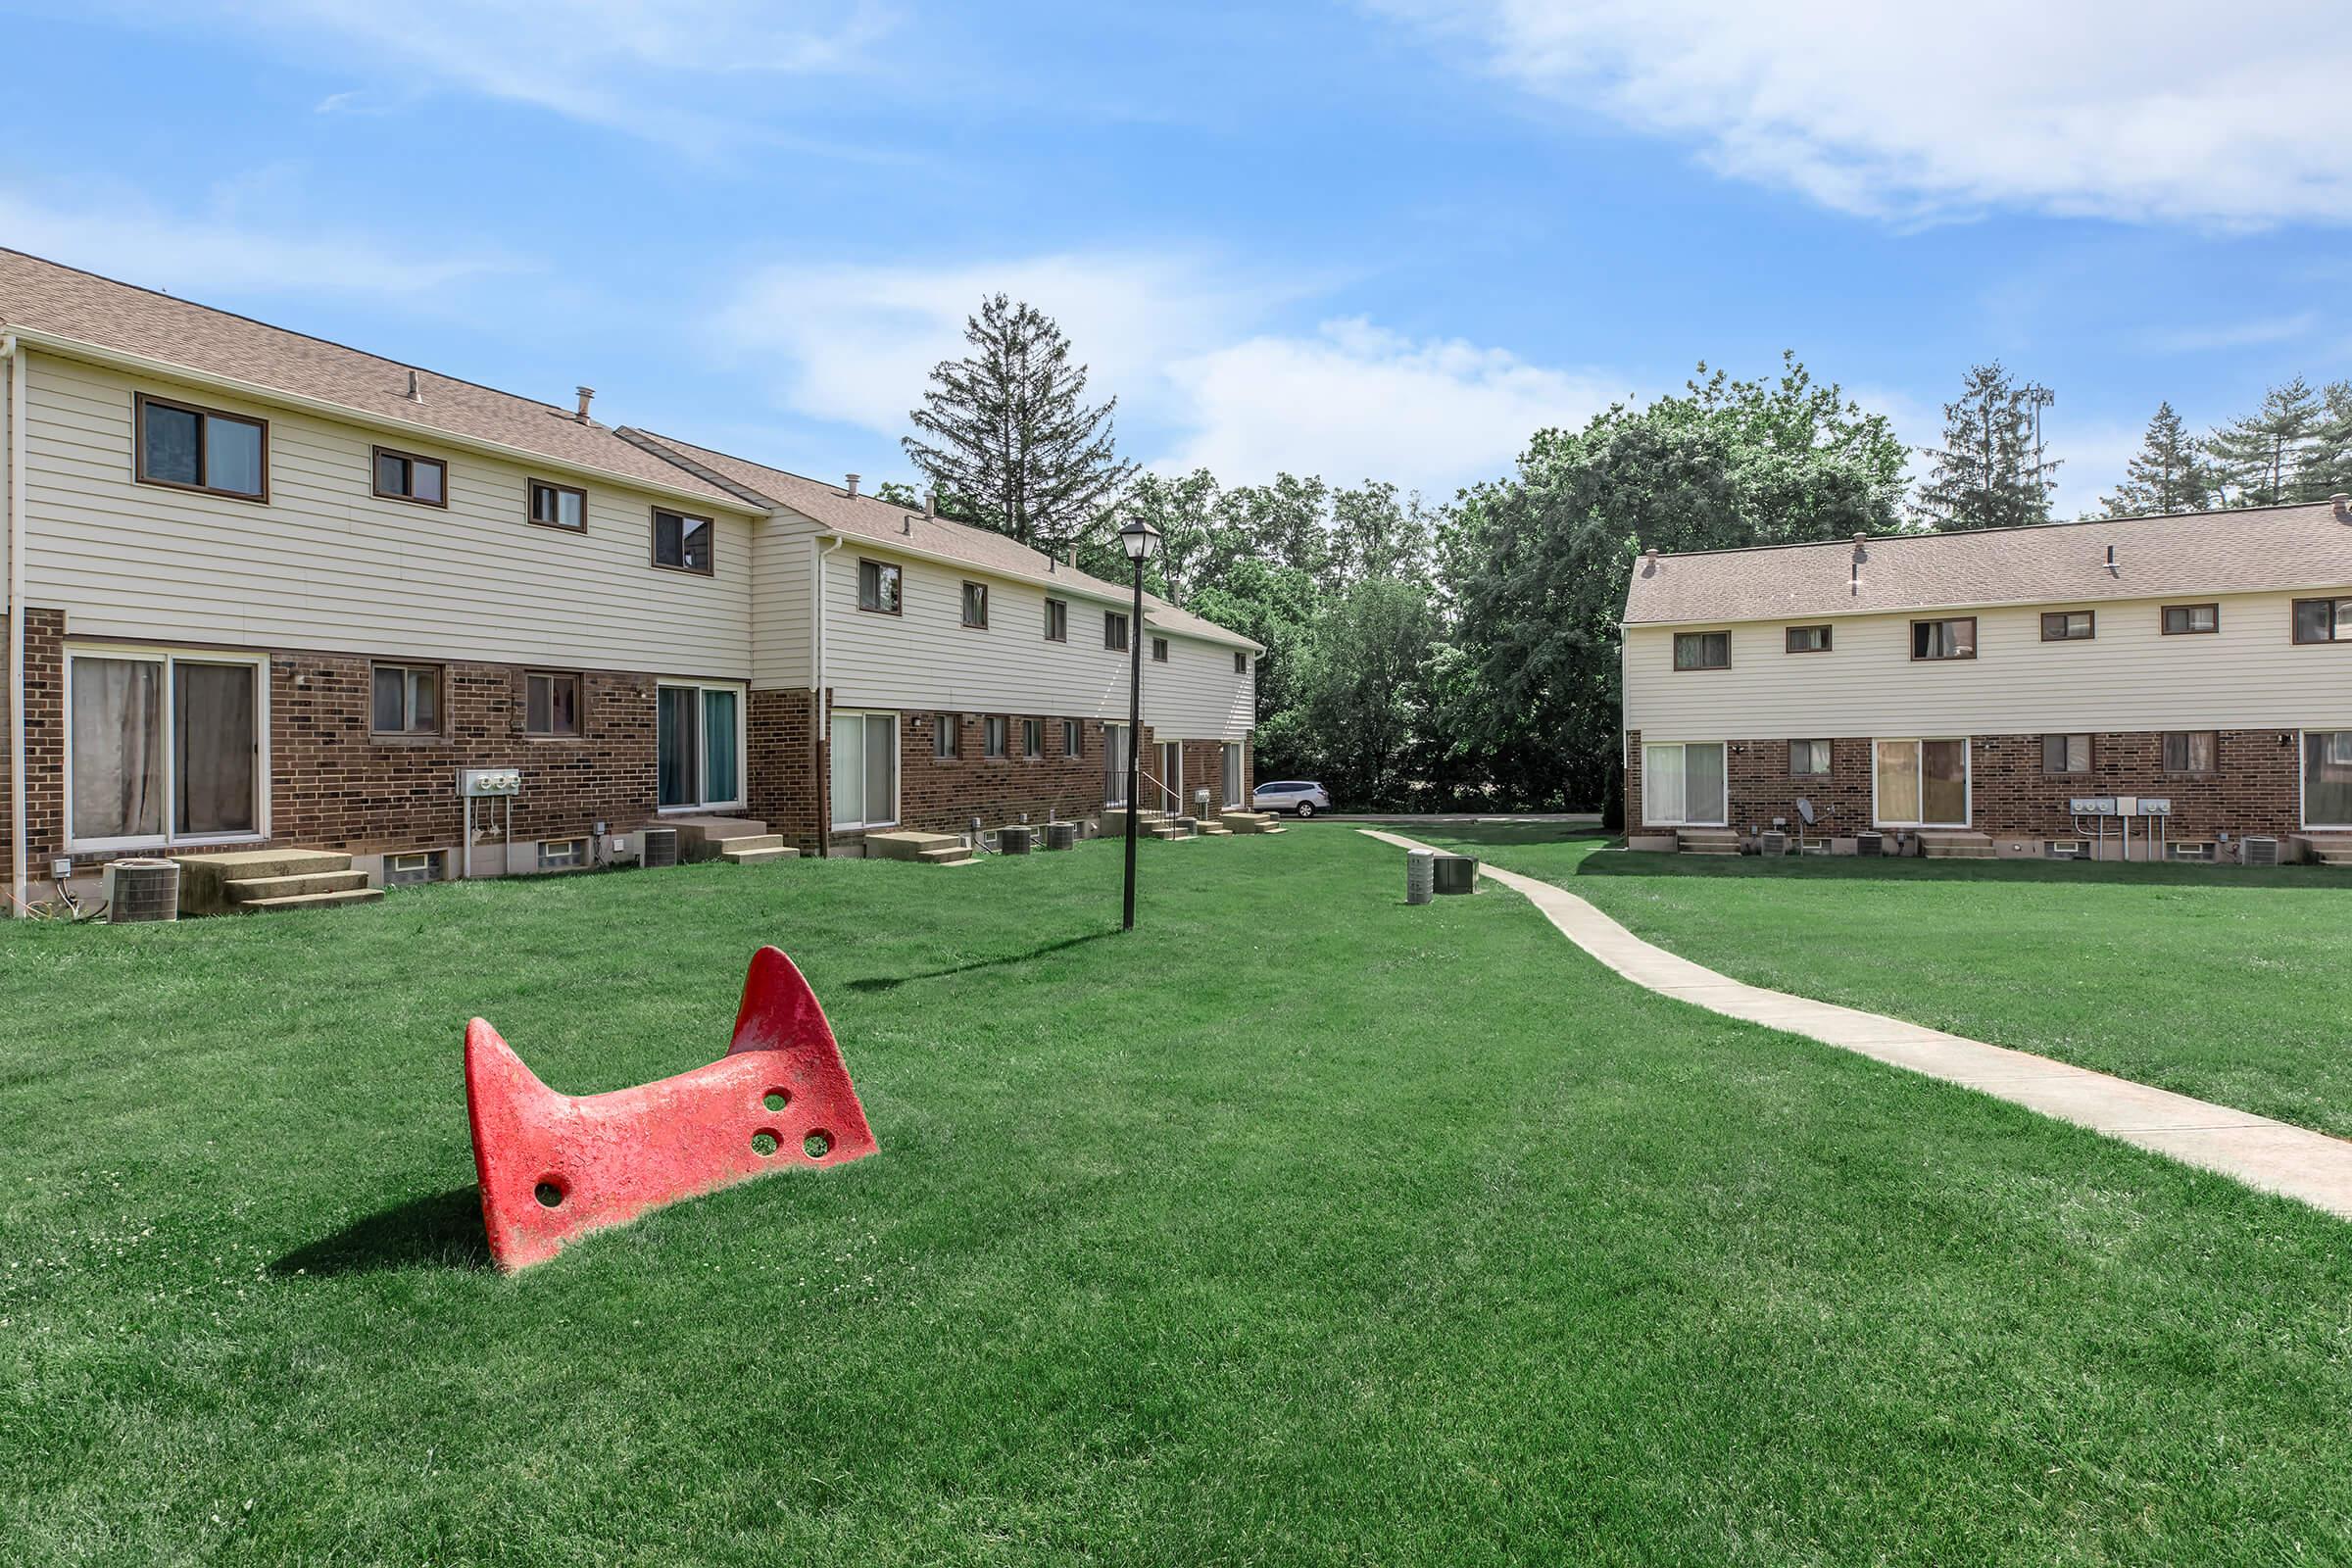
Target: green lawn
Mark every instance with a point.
(1299, 1226)
(2231, 985)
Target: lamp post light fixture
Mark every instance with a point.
(1140, 541)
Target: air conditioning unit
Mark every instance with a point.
(1775, 841)
(139, 890)
(1012, 841)
(1870, 844)
(658, 847)
(1061, 835)
(2258, 851)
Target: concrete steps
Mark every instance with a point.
(1706, 841)
(2331, 849)
(299, 884)
(1954, 844)
(309, 900)
(926, 849)
(1249, 823)
(749, 851)
(261, 880)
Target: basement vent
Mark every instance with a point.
(2179, 851)
(660, 847)
(420, 865)
(2259, 851)
(2065, 849)
(562, 854)
(138, 891)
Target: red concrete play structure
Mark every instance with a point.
(553, 1167)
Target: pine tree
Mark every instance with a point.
(1010, 437)
(2328, 470)
(2256, 458)
(2166, 475)
(1992, 470)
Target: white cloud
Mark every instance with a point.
(2231, 335)
(2130, 108)
(1181, 342)
(1355, 402)
(653, 71)
(119, 234)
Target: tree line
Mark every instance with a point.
(1464, 656)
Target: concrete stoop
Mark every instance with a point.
(1249, 823)
(2329, 849)
(927, 848)
(1706, 841)
(258, 881)
(1954, 844)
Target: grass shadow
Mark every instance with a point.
(443, 1230)
(892, 982)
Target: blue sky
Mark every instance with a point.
(1368, 240)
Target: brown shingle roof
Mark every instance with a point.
(833, 507)
(2263, 548)
(40, 296)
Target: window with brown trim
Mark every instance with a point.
(975, 605)
(1033, 738)
(559, 506)
(1241, 662)
(879, 588)
(1057, 621)
(1807, 640)
(1159, 650)
(2184, 621)
(2323, 621)
(550, 702)
(189, 448)
(682, 542)
(2065, 754)
(1114, 630)
(944, 735)
(1702, 649)
(1808, 758)
(2190, 750)
(1955, 638)
(405, 699)
(1073, 738)
(406, 476)
(2069, 625)
(992, 733)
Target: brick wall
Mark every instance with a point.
(2251, 790)
(44, 747)
(785, 768)
(1204, 763)
(942, 795)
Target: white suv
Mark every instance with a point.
(1295, 794)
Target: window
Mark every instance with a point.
(1702, 649)
(559, 506)
(975, 605)
(991, 729)
(1809, 639)
(1117, 746)
(403, 476)
(2069, 626)
(2182, 620)
(946, 731)
(406, 700)
(1114, 630)
(878, 587)
(1808, 758)
(1683, 786)
(2322, 621)
(562, 854)
(165, 748)
(2189, 751)
(1057, 621)
(698, 746)
(1231, 776)
(202, 449)
(682, 543)
(1241, 662)
(1033, 738)
(2328, 779)
(1159, 650)
(411, 866)
(865, 770)
(551, 704)
(1921, 784)
(1073, 738)
(1945, 639)
(2066, 754)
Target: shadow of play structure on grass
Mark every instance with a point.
(442, 1230)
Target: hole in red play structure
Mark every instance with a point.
(765, 1144)
(548, 1194)
(817, 1146)
(777, 1099)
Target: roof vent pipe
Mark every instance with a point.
(931, 502)
(852, 488)
(2111, 561)
(586, 393)
(2343, 506)
(416, 394)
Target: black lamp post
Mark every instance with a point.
(1140, 541)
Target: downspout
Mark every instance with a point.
(14, 352)
(820, 725)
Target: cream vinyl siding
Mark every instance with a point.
(1196, 696)
(2130, 677)
(927, 657)
(324, 565)
(782, 571)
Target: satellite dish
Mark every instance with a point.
(1804, 808)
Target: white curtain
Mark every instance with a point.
(1702, 785)
(118, 743)
(1662, 785)
(849, 769)
(213, 747)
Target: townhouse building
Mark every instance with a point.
(264, 590)
(2183, 682)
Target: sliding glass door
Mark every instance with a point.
(1920, 783)
(1117, 743)
(2328, 779)
(866, 770)
(1683, 785)
(1171, 777)
(698, 745)
(1232, 799)
(164, 749)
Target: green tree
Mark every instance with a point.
(1008, 432)
(2256, 458)
(2327, 468)
(2168, 474)
(1360, 691)
(1992, 470)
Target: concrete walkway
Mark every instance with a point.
(2261, 1153)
